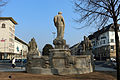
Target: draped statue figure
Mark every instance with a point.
(60, 25)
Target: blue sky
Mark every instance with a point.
(35, 19)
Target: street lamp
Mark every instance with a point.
(54, 34)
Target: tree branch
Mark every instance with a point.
(92, 11)
(116, 2)
(117, 10)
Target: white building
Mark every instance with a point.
(104, 42)
(20, 48)
(8, 40)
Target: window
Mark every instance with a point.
(103, 37)
(3, 25)
(10, 29)
(11, 45)
(14, 26)
(93, 42)
(11, 34)
(22, 46)
(97, 43)
(112, 47)
(17, 49)
(112, 40)
(103, 41)
(11, 40)
(100, 42)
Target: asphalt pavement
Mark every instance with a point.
(104, 66)
(6, 67)
(99, 68)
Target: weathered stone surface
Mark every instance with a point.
(60, 25)
(60, 61)
(32, 47)
(73, 70)
(38, 70)
(58, 66)
(59, 43)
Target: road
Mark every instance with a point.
(6, 67)
(99, 66)
(104, 66)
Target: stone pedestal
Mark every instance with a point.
(59, 43)
(38, 65)
(58, 57)
(60, 64)
(59, 61)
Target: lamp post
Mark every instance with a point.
(53, 34)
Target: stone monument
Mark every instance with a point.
(60, 53)
(32, 52)
(59, 61)
(86, 49)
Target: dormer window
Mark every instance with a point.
(3, 25)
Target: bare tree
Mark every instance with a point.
(3, 3)
(101, 11)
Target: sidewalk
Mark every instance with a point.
(16, 69)
(98, 68)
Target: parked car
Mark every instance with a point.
(25, 61)
(19, 60)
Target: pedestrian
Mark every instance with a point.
(13, 62)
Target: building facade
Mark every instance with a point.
(20, 49)
(7, 37)
(103, 42)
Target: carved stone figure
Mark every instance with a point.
(70, 60)
(85, 45)
(82, 46)
(32, 47)
(60, 25)
(87, 42)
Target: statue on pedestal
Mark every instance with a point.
(60, 26)
(32, 47)
(88, 44)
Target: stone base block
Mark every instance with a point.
(59, 52)
(38, 70)
(58, 71)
